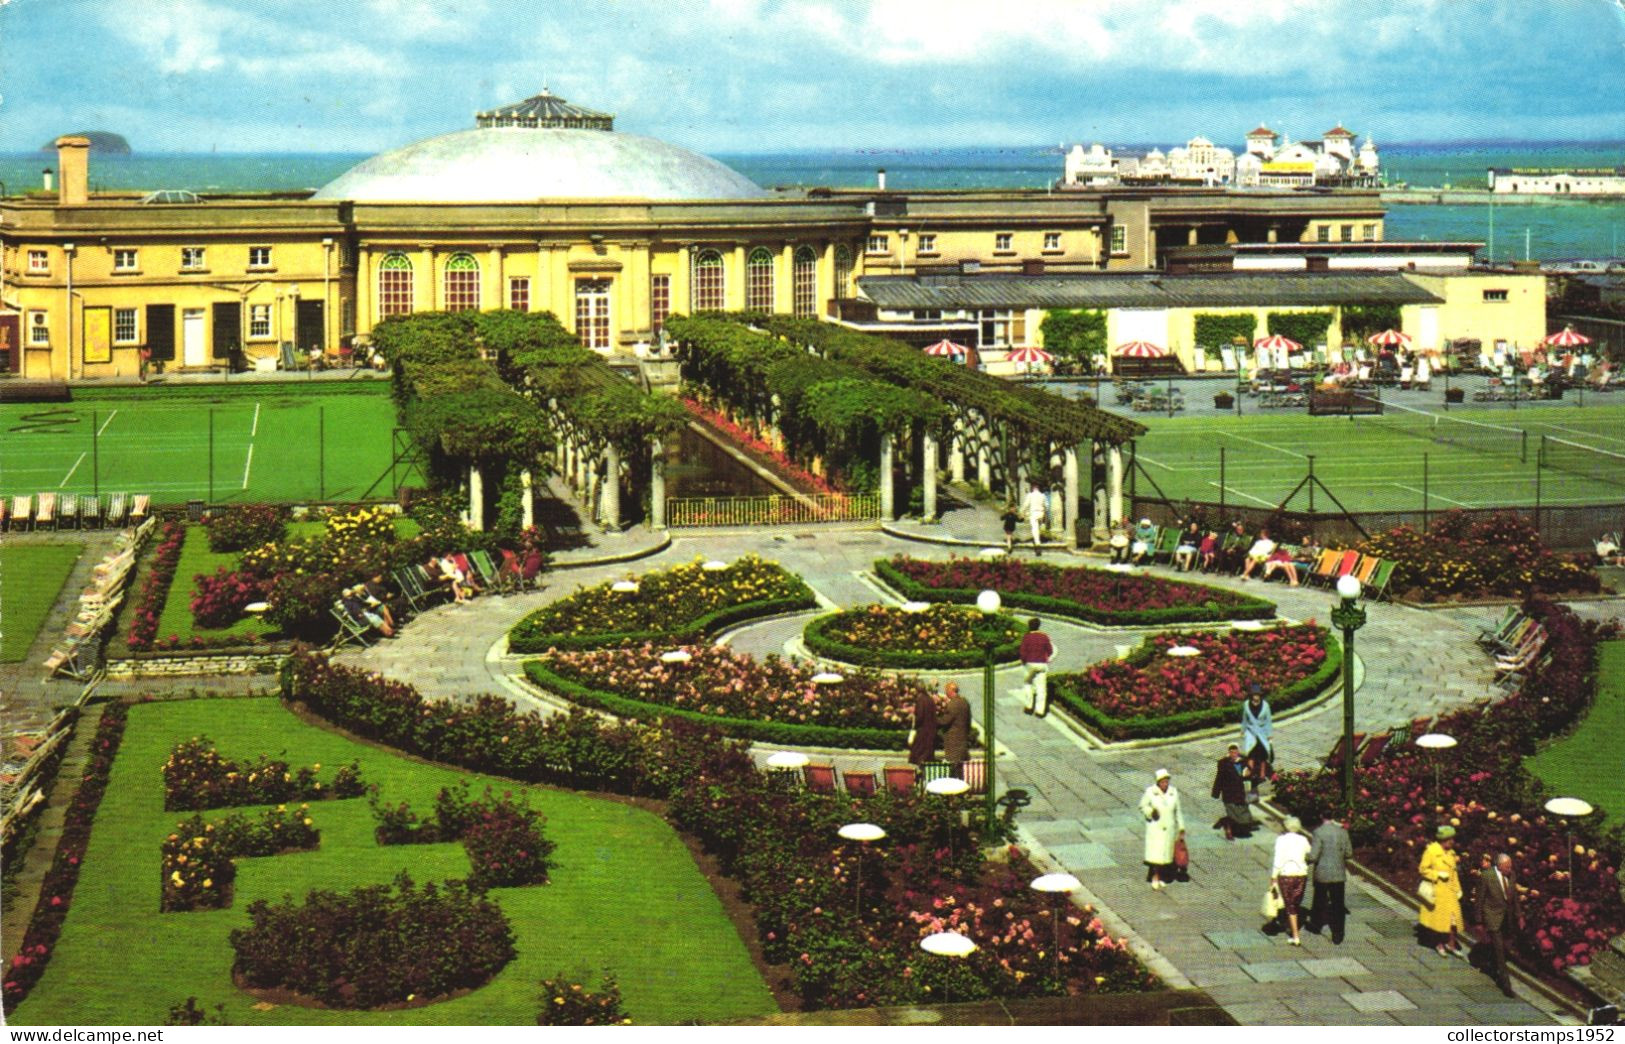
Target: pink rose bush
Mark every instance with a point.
(154, 589)
(197, 776)
(197, 858)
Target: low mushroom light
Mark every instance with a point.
(787, 760)
(948, 944)
(1570, 808)
(947, 786)
(1184, 650)
(624, 587)
(676, 656)
(715, 565)
(915, 607)
(827, 678)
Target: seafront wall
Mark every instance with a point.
(1483, 197)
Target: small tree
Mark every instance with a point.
(1074, 337)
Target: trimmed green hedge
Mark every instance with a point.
(820, 644)
(1249, 609)
(527, 640)
(1144, 727)
(1216, 330)
(783, 733)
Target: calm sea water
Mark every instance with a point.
(1568, 230)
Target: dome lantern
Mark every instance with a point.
(546, 110)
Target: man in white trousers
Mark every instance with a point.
(1035, 505)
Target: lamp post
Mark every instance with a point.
(988, 602)
(1349, 616)
(949, 787)
(1056, 884)
(1570, 809)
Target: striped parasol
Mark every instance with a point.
(1568, 338)
(945, 348)
(1029, 355)
(1139, 350)
(1278, 343)
(1388, 339)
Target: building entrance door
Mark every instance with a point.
(310, 327)
(193, 351)
(592, 314)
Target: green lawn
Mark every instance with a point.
(280, 442)
(625, 895)
(1586, 763)
(1370, 465)
(31, 576)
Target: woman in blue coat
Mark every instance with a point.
(1256, 733)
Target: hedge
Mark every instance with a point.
(521, 640)
(820, 644)
(1143, 727)
(1214, 330)
(1249, 609)
(1307, 328)
(780, 733)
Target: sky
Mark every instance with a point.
(754, 76)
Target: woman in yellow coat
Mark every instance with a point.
(1443, 918)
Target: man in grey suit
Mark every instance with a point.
(1329, 852)
(1498, 908)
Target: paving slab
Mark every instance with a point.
(1275, 971)
(1335, 967)
(1378, 1000)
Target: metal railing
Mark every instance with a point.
(772, 510)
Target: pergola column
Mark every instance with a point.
(984, 455)
(1069, 509)
(928, 453)
(657, 484)
(1114, 484)
(588, 493)
(612, 488)
(1097, 494)
(476, 499)
(956, 451)
(527, 502)
(888, 491)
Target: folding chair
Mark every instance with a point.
(937, 770)
(45, 511)
(1324, 566)
(140, 508)
(900, 779)
(489, 578)
(972, 772)
(349, 628)
(530, 570)
(1373, 749)
(90, 511)
(3, 514)
(68, 511)
(118, 509)
(1514, 640)
(22, 511)
(406, 580)
(1166, 544)
(1366, 570)
(820, 778)
(1494, 636)
(1346, 565)
(1334, 760)
(859, 784)
(1384, 574)
(508, 580)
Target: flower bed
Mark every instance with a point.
(1464, 556)
(566, 1002)
(197, 860)
(149, 600)
(941, 637)
(196, 776)
(772, 700)
(249, 525)
(745, 437)
(56, 890)
(685, 603)
(1096, 596)
(377, 945)
(503, 837)
(1152, 694)
(1495, 805)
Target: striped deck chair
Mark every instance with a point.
(3, 513)
(1491, 637)
(859, 784)
(45, 511)
(901, 779)
(140, 508)
(973, 772)
(1373, 750)
(22, 511)
(1334, 760)
(118, 509)
(67, 511)
(90, 512)
(820, 778)
(1346, 565)
(935, 770)
(1324, 566)
(406, 581)
(350, 629)
(1366, 570)
(1380, 579)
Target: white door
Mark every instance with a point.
(193, 352)
(1427, 328)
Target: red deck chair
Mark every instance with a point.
(1334, 760)
(900, 779)
(974, 776)
(820, 778)
(859, 784)
(1346, 566)
(1374, 749)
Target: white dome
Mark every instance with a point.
(502, 164)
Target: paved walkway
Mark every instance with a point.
(1084, 813)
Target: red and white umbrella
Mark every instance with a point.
(945, 348)
(1277, 343)
(1388, 339)
(1029, 355)
(1139, 350)
(1569, 338)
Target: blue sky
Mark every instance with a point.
(778, 75)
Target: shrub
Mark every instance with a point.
(566, 1003)
(1469, 556)
(301, 605)
(240, 528)
(503, 837)
(383, 944)
(218, 600)
(149, 600)
(197, 776)
(197, 859)
(941, 637)
(190, 1013)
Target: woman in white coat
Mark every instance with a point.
(1164, 825)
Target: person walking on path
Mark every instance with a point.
(1499, 909)
(1009, 519)
(1036, 507)
(1257, 730)
(1230, 787)
(1441, 915)
(1036, 653)
(1289, 872)
(1330, 850)
(1164, 827)
(954, 723)
(922, 738)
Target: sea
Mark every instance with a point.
(1539, 231)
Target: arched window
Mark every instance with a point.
(843, 272)
(709, 282)
(394, 285)
(759, 281)
(804, 282)
(462, 283)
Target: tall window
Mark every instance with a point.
(259, 321)
(462, 283)
(394, 285)
(927, 243)
(759, 280)
(1119, 239)
(879, 244)
(592, 313)
(1347, 235)
(1369, 233)
(1324, 233)
(659, 301)
(708, 281)
(125, 330)
(804, 282)
(519, 293)
(1052, 241)
(39, 262)
(843, 272)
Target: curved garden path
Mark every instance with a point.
(1084, 814)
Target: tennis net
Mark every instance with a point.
(1438, 427)
(1587, 461)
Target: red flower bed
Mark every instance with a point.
(1495, 805)
(1156, 683)
(761, 447)
(218, 599)
(149, 600)
(502, 836)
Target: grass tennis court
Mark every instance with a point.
(1372, 466)
(271, 442)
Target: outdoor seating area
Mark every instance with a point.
(58, 511)
(374, 611)
(1239, 553)
(1518, 644)
(73, 656)
(896, 780)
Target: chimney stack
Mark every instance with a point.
(48, 179)
(880, 179)
(73, 167)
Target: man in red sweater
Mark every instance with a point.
(1036, 653)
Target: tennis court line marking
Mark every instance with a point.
(255, 430)
(1430, 495)
(1266, 445)
(1579, 432)
(105, 423)
(248, 464)
(71, 470)
(1158, 463)
(1239, 493)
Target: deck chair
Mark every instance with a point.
(140, 508)
(859, 784)
(487, 570)
(974, 774)
(1334, 760)
(1366, 570)
(530, 570)
(1373, 749)
(820, 779)
(1420, 726)
(1381, 578)
(936, 770)
(508, 572)
(900, 779)
(1325, 565)
(118, 509)
(1515, 639)
(45, 511)
(22, 511)
(1350, 560)
(67, 511)
(1494, 636)
(1166, 544)
(350, 629)
(406, 581)
(90, 512)
(3, 513)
